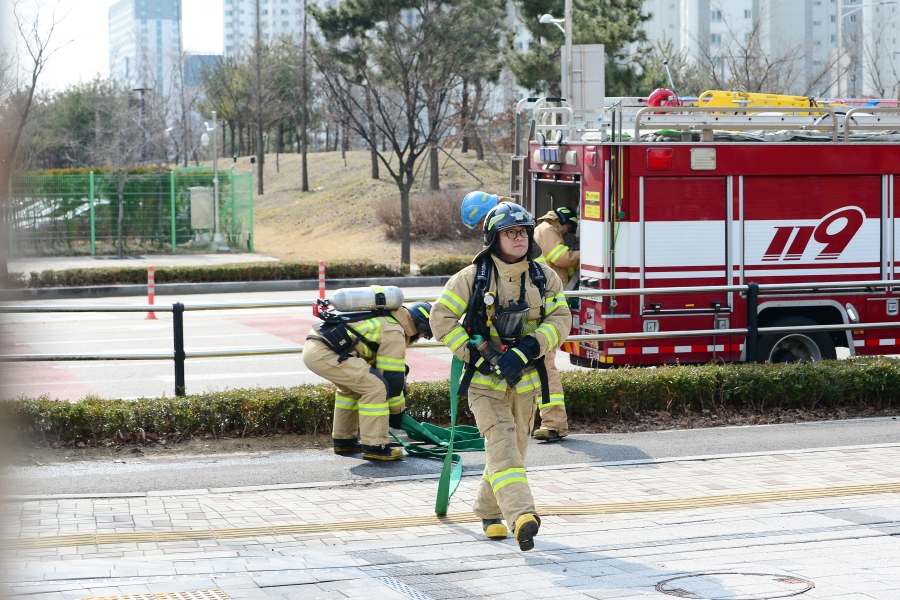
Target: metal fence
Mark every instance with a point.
(78, 214)
(750, 293)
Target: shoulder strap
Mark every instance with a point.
(476, 318)
(540, 281)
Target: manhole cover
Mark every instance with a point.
(735, 586)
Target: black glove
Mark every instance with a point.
(516, 359)
(481, 364)
(396, 421)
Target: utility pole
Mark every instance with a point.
(840, 43)
(304, 185)
(260, 149)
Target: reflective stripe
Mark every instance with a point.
(374, 410)
(550, 333)
(555, 400)
(456, 304)
(540, 259)
(522, 356)
(557, 252)
(502, 479)
(555, 302)
(488, 381)
(390, 364)
(456, 338)
(396, 400)
(345, 403)
(529, 383)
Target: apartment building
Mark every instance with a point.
(145, 43)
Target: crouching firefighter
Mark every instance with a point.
(500, 315)
(363, 353)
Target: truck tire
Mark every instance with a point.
(807, 346)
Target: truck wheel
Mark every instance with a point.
(806, 346)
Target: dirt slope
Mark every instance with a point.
(336, 218)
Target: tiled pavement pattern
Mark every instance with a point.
(846, 546)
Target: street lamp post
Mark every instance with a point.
(218, 238)
(840, 31)
(566, 28)
(143, 129)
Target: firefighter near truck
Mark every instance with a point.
(676, 196)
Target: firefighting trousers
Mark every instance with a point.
(361, 406)
(553, 413)
(506, 426)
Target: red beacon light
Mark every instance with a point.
(660, 159)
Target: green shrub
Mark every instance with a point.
(263, 271)
(445, 265)
(590, 395)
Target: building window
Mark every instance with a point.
(229, 36)
(265, 12)
(285, 23)
(746, 37)
(853, 18)
(229, 12)
(748, 14)
(833, 39)
(285, 11)
(520, 46)
(816, 23)
(834, 18)
(715, 38)
(716, 15)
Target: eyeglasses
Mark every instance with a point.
(515, 233)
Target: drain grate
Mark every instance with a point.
(735, 586)
(404, 589)
(192, 595)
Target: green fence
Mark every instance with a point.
(67, 215)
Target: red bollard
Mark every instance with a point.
(151, 293)
(321, 287)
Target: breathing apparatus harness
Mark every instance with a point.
(508, 321)
(336, 330)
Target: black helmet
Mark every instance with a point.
(566, 215)
(420, 313)
(506, 215)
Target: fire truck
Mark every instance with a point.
(700, 196)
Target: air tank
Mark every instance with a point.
(365, 298)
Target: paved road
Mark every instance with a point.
(264, 469)
(70, 333)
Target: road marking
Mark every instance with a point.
(95, 539)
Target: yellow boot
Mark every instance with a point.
(381, 453)
(526, 528)
(494, 529)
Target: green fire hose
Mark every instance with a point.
(445, 443)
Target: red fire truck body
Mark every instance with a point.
(664, 214)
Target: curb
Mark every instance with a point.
(225, 287)
(403, 478)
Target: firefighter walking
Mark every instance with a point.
(369, 376)
(554, 421)
(550, 235)
(500, 316)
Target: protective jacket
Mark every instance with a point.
(548, 235)
(505, 282)
(388, 360)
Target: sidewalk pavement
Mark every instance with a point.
(58, 263)
(806, 524)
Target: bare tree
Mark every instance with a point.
(751, 58)
(414, 56)
(118, 144)
(881, 69)
(35, 48)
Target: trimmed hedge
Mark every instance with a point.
(445, 265)
(263, 271)
(590, 395)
